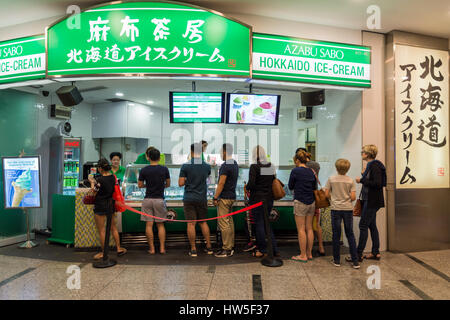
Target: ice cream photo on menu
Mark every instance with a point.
(21, 181)
(22, 186)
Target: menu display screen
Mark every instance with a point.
(256, 109)
(188, 107)
(21, 181)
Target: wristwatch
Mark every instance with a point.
(215, 199)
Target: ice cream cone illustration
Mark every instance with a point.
(22, 186)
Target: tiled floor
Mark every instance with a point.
(41, 273)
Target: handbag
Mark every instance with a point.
(119, 200)
(277, 189)
(357, 209)
(321, 201)
(89, 198)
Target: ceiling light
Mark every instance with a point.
(149, 101)
(131, 104)
(119, 94)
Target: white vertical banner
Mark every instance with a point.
(421, 118)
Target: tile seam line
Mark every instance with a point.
(210, 284)
(312, 284)
(416, 290)
(95, 296)
(254, 279)
(428, 267)
(16, 276)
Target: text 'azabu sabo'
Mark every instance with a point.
(314, 52)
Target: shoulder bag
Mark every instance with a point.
(278, 190)
(321, 201)
(119, 200)
(357, 209)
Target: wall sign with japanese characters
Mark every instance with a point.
(293, 59)
(421, 118)
(148, 38)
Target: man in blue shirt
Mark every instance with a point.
(224, 199)
(193, 177)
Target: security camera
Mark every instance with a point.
(45, 93)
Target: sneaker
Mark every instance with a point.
(224, 253)
(193, 253)
(356, 265)
(249, 247)
(349, 259)
(335, 263)
(208, 250)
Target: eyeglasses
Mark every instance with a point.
(362, 152)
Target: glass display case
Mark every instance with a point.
(133, 193)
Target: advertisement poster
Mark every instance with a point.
(253, 109)
(21, 180)
(421, 118)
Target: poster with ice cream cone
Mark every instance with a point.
(21, 182)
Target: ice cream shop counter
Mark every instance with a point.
(129, 222)
(281, 215)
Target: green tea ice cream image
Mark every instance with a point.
(237, 102)
(22, 186)
(258, 112)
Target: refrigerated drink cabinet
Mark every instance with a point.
(65, 169)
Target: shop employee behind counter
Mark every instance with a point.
(142, 158)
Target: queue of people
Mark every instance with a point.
(340, 189)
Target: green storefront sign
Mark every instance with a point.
(22, 59)
(141, 38)
(298, 60)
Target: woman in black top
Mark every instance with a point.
(372, 199)
(104, 204)
(259, 185)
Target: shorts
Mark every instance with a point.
(303, 210)
(194, 210)
(154, 207)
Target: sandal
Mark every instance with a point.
(258, 254)
(373, 257)
(163, 252)
(122, 252)
(151, 252)
(98, 256)
(297, 258)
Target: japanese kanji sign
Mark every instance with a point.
(149, 38)
(22, 59)
(421, 118)
(299, 60)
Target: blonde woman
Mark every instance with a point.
(372, 199)
(261, 176)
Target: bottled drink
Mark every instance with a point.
(65, 167)
(78, 167)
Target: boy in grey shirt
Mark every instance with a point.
(341, 190)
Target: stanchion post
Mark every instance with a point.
(269, 260)
(106, 262)
(27, 244)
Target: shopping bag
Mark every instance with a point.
(119, 200)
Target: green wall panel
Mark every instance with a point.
(17, 132)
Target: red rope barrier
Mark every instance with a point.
(219, 217)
